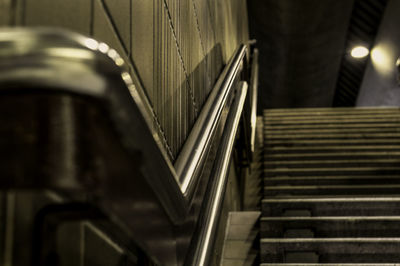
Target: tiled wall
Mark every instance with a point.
(177, 48)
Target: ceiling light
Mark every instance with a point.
(359, 52)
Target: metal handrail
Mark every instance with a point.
(195, 150)
(254, 86)
(209, 221)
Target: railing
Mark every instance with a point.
(204, 239)
(194, 152)
(33, 64)
(253, 106)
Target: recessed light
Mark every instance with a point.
(359, 52)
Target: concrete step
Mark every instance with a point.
(324, 131)
(326, 171)
(328, 111)
(328, 264)
(331, 142)
(331, 180)
(331, 117)
(332, 121)
(355, 155)
(350, 190)
(330, 250)
(343, 126)
(332, 227)
(330, 149)
(336, 136)
(355, 162)
(332, 206)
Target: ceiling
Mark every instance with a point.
(304, 46)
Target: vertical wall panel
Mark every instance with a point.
(103, 29)
(143, 43)
(71, 14)
(5, 12)
(212, 50)
(120, 13)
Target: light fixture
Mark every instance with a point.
(359, 52)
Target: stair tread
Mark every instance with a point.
(329, 177)
(333, 126)
(314, 142)
(345, 161)
(340, 135)
(331, 227)
(340, 199)
(328, 264)
(333, 130)
(365, 168)
(330, 180)
(338, 155)
(330, 121)
(332, 250)
(333, 240)
(333, 218)
(346, 110)
(360, 170)
(332, 116)
(346, 148)
(332, 186)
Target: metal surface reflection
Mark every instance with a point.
(71, 115)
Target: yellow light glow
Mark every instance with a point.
(359, 52)
(382, 60)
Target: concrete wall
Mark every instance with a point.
(301, 45)
(380, 86)
(176, 48)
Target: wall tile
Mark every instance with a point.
(5, 12)
(71, 14)
(142, 42)
(120, 12)
(103, 29)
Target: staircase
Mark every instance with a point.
(331, 187)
